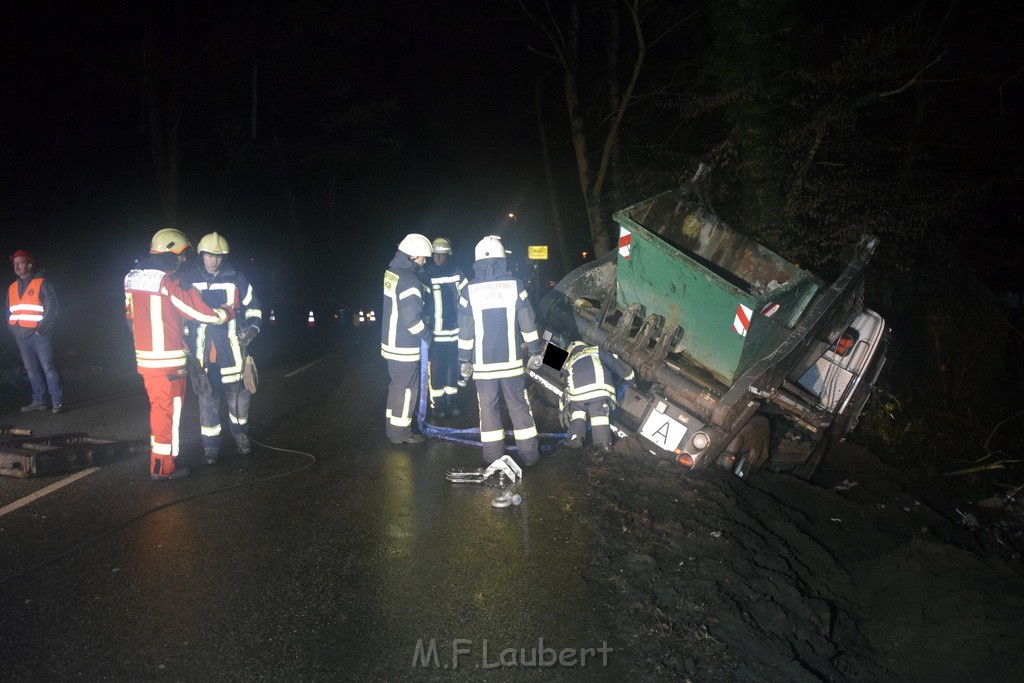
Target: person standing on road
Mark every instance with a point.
(31, 312)
(220, 351)
(494, 313)
(590, 391)
(156, 304)
(446, 283)
(403, 328)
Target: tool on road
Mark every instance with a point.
(507, 471)
(505, 467)
(61, 453)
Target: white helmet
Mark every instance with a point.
(213, 243)
(416, 245)
(442, 245)
(168, 240)
(489, 247)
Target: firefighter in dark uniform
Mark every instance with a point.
(494, 316)
(590, 391)
(403, 327)
(221, 350)
(446, 282)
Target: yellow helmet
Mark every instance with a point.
(442, 245)
(169, 241)
(213, 243)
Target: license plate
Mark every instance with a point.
(663, 431)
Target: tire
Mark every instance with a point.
(750, 446)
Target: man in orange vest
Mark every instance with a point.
(31, 312)
(157, 302)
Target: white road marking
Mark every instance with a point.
(42, 492)
(308, 366)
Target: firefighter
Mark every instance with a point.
(32, 309)
(590, 391)
(446, 282)
(403, 328)
(221, 350)
(494, 316)
(156, 304)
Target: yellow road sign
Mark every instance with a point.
(537, 253)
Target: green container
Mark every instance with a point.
(734, 300)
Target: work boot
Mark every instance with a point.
(210, 456)
(573, 442)
(178, 473)
(58, 408)
(243, 444)
(439, 409)
(453, 407)
(604, 448)
(411, 438)
(32, 407)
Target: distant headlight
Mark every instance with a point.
(700, 441)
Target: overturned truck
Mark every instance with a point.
(744, 360)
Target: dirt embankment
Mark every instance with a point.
(862, 574)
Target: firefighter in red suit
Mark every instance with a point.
(157, 304)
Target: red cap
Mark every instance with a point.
(22, 253)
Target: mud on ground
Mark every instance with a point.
(864, 574)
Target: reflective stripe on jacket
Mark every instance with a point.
(591, 374)
(156, 304)
(402, 326)
(494, 315)
(25, 308)
(446, 283)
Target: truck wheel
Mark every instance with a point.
(750, 447)
(806, 470)
(842, 424)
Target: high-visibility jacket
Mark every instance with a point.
(494, 315)
(402, 326)
(446, 282)
(590, 374)
(157, 305)
(25, 304)
(219, 343)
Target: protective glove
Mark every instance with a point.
(535, 362)
(247, 334)
(465, 372)
(229, 311)
(197, 375)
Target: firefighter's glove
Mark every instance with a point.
(465, 372)
(535, 362)
(250, 378)
(247, 334)
(563, 412)
(200, 380)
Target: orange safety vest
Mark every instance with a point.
(26, 309)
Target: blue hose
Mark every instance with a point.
(451, 433)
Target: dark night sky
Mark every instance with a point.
(76, 180)
(75, 167)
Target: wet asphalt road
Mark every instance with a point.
(327, 554)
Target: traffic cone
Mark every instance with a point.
(311, 322)
(273, 319)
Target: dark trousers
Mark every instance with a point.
(444, 370)
(238, 399)
(403, 395)
(600, 426)
(492, 434)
